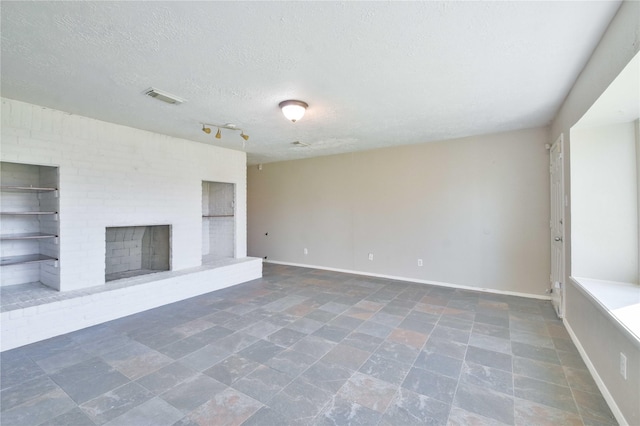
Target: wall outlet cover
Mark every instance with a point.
(623, 365)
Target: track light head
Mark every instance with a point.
(206, 127)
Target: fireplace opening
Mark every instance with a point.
(136, 250)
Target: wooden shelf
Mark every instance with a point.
(26, 189)
(219, 215)
(26, 236)
(24, 259)
(26, 213)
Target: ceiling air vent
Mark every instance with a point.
(299, 144)
(163, 96)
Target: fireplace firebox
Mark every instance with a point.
(137, 250)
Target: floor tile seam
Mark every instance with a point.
(455, 392)
(598, 418)
(57, 387)
(84, 411)
(275, 394)
(573, 399)
(437, 324)
(537, 378)
(186, 414)
(136, 381)
(319, 413)
(44, 373)
(155, 370)
(34, 358)
(353, 372)
(513, 380)
(65, 392)
(111, 334)
(336, 393)
(580, 412)
(399, 386)
(576, 413)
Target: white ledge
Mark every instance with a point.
(620, 301)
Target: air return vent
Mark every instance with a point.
(163, 96)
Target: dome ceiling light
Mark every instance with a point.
(293, 110)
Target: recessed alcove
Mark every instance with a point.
(218, 221)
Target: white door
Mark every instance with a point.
(556, 168)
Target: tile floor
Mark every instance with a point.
(304, 346)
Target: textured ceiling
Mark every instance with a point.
(375, 74)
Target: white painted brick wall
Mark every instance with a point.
(112, 175)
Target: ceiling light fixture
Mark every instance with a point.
(293, 110)
(206, 127)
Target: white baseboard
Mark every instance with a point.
(414, 280)
(596, 377)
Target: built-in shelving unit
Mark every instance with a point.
(26, 236)
(218, 223)
(8, 188)
(24, 259)
(25, 213)
(29, 227)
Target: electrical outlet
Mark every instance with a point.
(306, 251)
(419, 262)
(623, 365)
(370, 256)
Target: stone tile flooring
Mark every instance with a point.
(304, 346)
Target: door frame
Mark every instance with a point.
(558, 291)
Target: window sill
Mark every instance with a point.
(620, 301)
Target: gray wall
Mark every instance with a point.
(603, 342)
(476, 210)
(618, 46)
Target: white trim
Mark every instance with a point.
(616, 301)
(637, 131)
(560, 310)
(596, 377)
(415, 280)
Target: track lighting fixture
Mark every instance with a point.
(206, 127)
(293, 110)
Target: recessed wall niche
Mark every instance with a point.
(218, 221)
(29, 225)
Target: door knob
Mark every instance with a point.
(557, 239)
